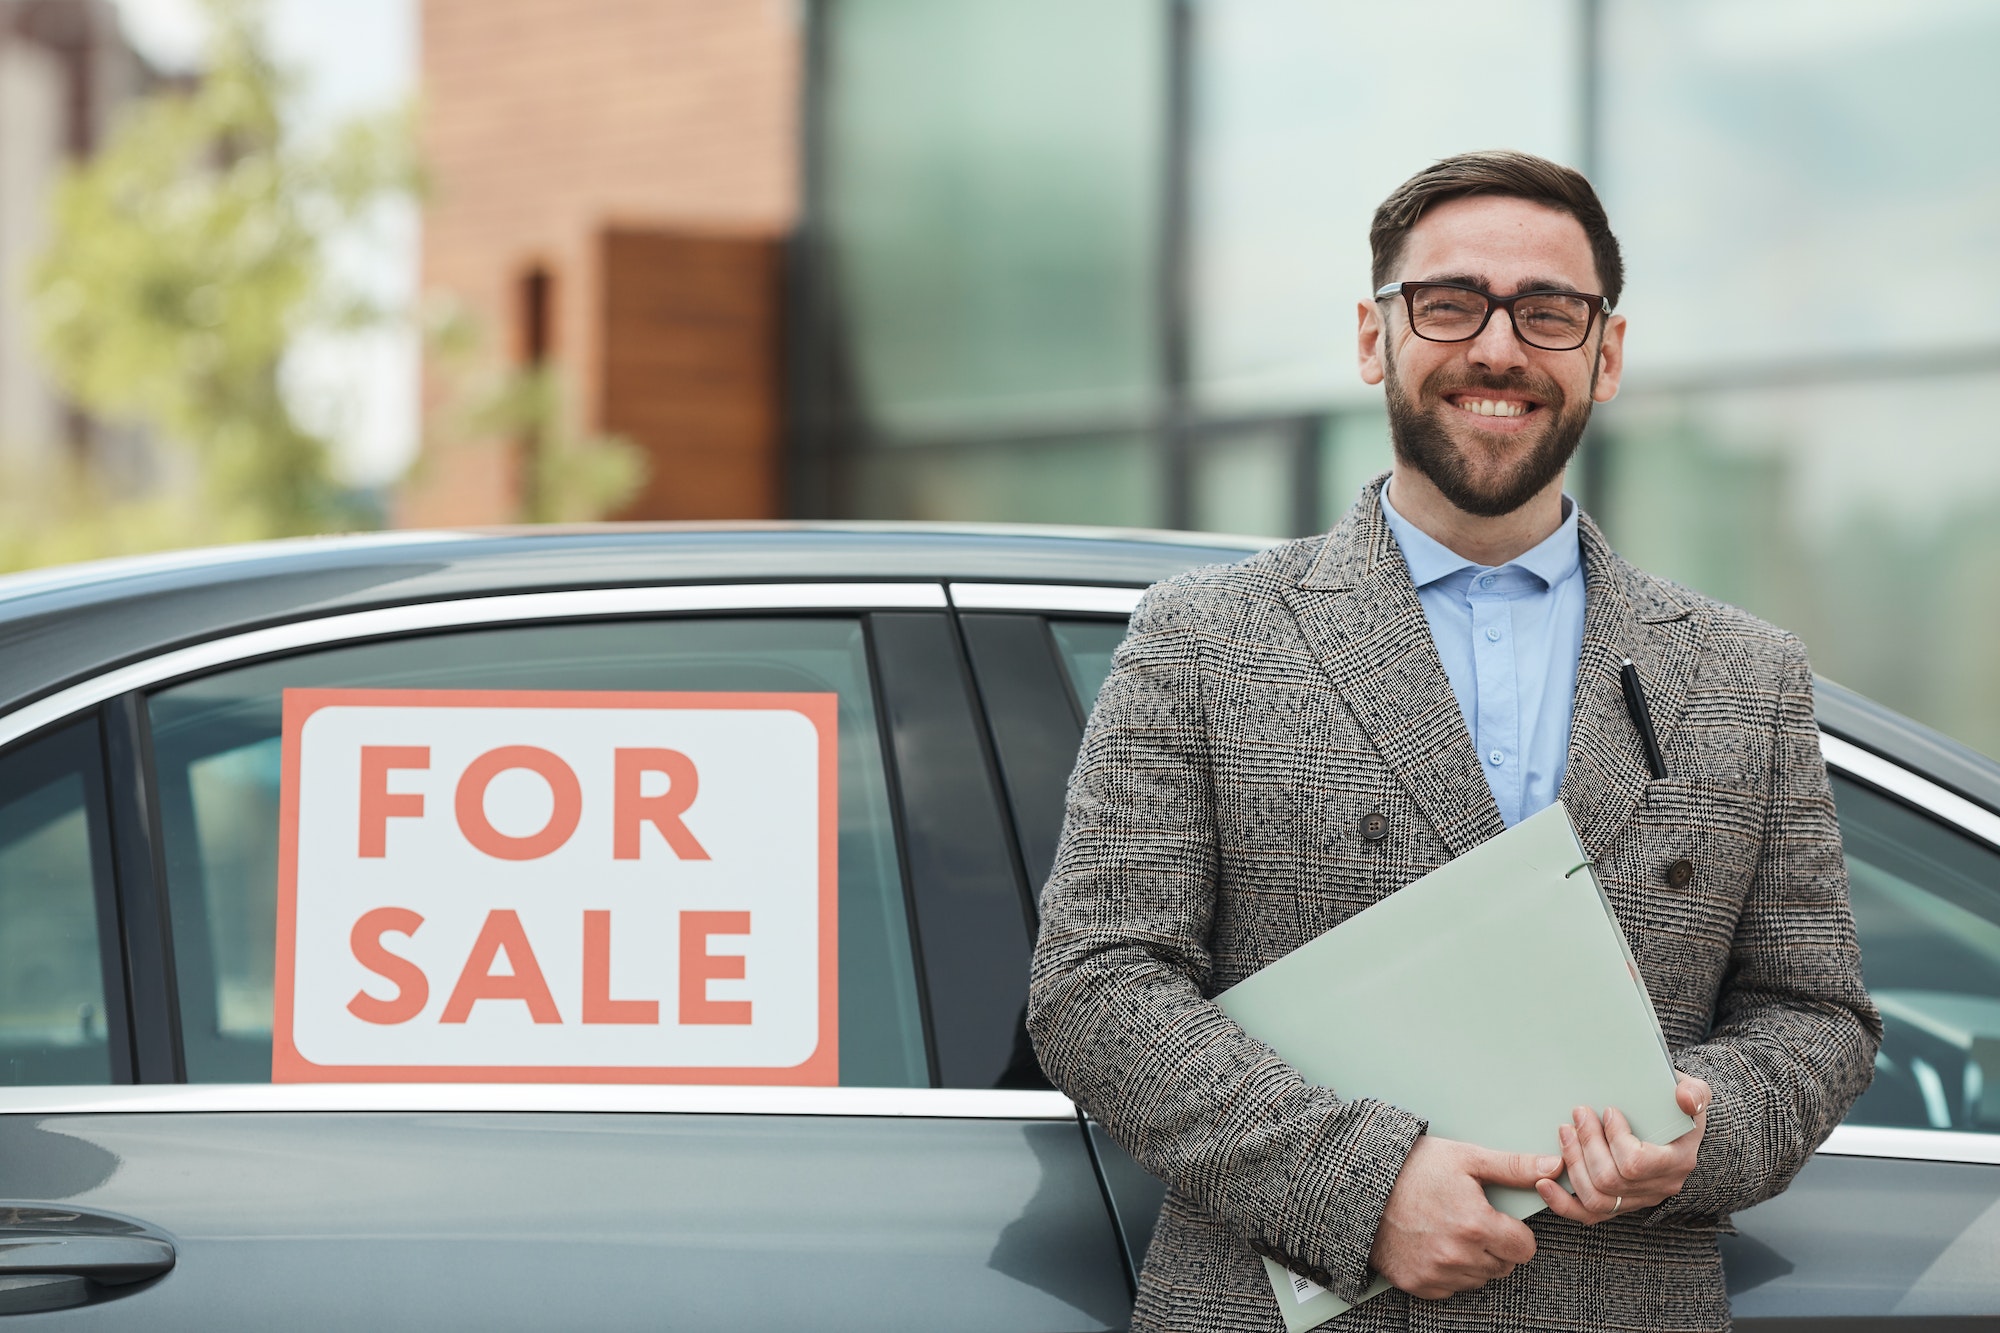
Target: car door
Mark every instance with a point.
(1895, 1223)
(935, 1181)
(1039, 653)
(1897, 1220)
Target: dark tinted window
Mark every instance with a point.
(1927, 905)
(55, 869)
(1086, 647)
(218, 747)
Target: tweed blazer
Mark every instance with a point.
(1255, 713)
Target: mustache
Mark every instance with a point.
(1540, 387)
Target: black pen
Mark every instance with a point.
(1642, 718)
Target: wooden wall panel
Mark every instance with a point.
(690, 370)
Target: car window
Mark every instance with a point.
(1086, 647)
(54, 871)
(1927, 906)
(220, 748)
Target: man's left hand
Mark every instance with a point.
(1613, 1171)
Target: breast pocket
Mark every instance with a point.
(1677, 880)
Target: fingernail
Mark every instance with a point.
(1565, 1135)
(1576, 1116)
(1548, 1165)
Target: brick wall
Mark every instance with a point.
(551, 124)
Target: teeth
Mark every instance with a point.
(1493, 407)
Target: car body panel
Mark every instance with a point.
(435, 1219)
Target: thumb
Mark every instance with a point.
(1691, 1093)
(1518, 1169)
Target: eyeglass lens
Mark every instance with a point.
(1551, 321)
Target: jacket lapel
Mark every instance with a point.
(1360, 614)
(1626, 614)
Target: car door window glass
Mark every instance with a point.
(219, 752)
(1086, 647)
(54, 871)
(1927, 907)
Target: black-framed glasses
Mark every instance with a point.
(1452, 312)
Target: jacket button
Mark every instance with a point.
(1374, 826)
(1680, 874)
(1321, 1276)
(1264, 1248)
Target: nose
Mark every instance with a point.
(1498, 349)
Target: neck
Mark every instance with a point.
(1487, 541)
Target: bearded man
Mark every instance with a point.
(1284, 741)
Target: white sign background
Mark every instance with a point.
(764, 813)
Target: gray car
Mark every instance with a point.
(157, 951)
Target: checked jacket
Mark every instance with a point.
(1257, 717)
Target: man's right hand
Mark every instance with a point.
(1438, 1234)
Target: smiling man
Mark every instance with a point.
(1285, 741)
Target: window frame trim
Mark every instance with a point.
(460, 613)
(536, 1098)
(1912, 789)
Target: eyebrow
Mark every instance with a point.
(1533, 284)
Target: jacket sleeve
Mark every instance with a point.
(1794, 1037)
(1119, 1008)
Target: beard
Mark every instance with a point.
(1423, 439)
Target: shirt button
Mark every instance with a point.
(1486, 580)
(1492, 634)
(1495, 758)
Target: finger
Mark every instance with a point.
(1564, 1204)
(1597, 1154)
(1581, 1183)
(1508, 1239)
(1518, 1169)
(1692, 1093)
(1637, 1161)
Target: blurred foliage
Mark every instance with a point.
(565, 476)
(187, 256)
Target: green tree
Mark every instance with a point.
(189, 255)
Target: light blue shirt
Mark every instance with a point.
(1509, 638)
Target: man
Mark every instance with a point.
(1285, 741)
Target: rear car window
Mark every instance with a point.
(1927, 906)
(1086, 647)
(55, 871)
(678, 937)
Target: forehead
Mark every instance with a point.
(1500, 241)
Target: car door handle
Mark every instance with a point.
(112, 1260)
(52, 1258)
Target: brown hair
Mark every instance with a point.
(1498, 172)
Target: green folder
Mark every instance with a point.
(1489, 998)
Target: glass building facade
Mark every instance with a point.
(1098, 263)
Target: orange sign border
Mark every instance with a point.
(820, 1069)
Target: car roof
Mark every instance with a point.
(64, 624)
(61, 625)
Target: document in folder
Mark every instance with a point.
(1489, 998)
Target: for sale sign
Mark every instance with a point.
(572, 886)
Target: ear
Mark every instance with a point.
(1368, 343)
(1610, 360)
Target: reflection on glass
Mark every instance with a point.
(1110, 480)
(992, 179)
(1086, 647)
(52, 1018)
(1861, 516)
(1816, 169)
(216, 744)
(1927, 906)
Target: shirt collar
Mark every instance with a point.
(1555, 558)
